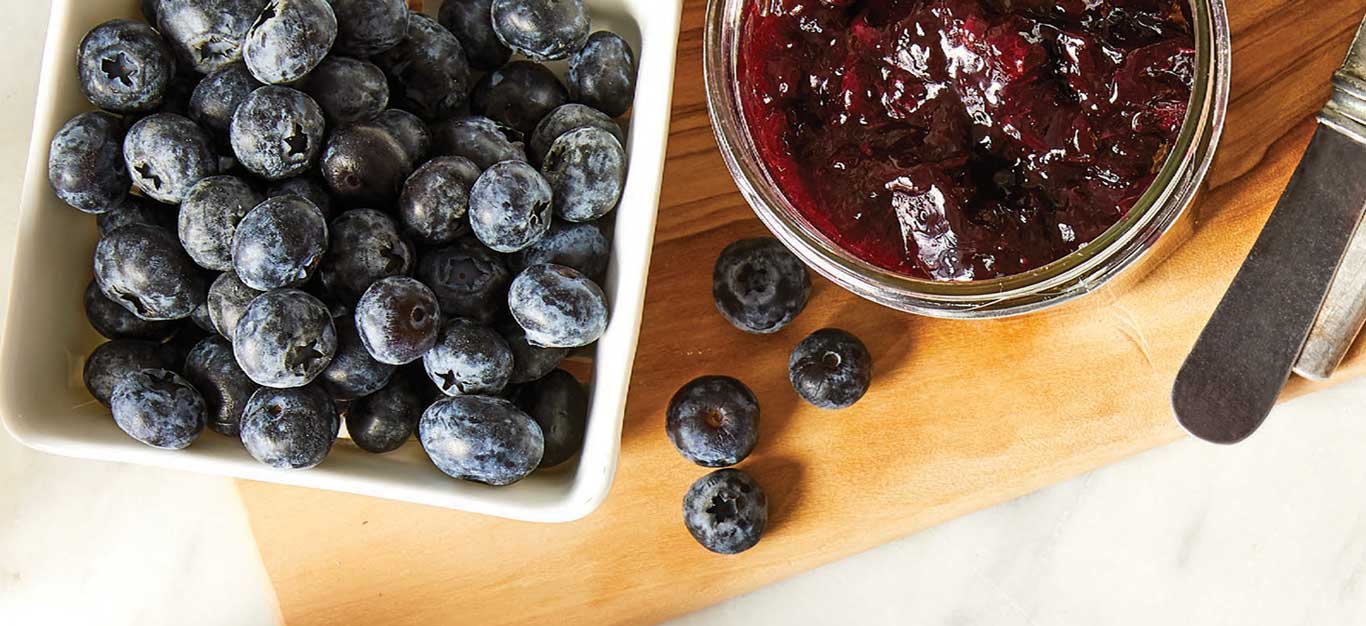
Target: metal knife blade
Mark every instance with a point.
(1233, 376)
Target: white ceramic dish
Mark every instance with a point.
(44, 404)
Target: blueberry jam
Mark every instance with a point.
(959, 140)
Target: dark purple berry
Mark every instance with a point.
(529, 362)
(207, 35)
(290, 428)
(368, 27)
(558, 307)
(113, 362)
(353, 372)
(216, 98)
(429, 70)
(603, 74)
(831, 369)
(277, 132)
(213, 370)
(478, 139)
(435, 199)
(713, 421)
(567, 118)
(385, 420)
(559, 404)
(209, 217)
(487, 440)
(228, 300)
(468, 279)
(471, 21)
(469, 359)
(760, 286)
(365, 166)
(125, 67)
(166, 154)
(519, 95)
(398, 319)
(364, 247)
(726, 511)
(85, 163)
(586, 169)
(542, 29)
(409, 131)
(285, 339)
(110, 319)
(510, 206)
(583, 247)
(280, 243)
(348, 90)
(158, 408)
(289, 39)
(144, 269)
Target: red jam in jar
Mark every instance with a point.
(959, 140)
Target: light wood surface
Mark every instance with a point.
(961, 416)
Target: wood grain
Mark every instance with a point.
(962, 415)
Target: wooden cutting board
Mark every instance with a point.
(962, 415)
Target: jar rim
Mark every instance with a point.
(1094, 264)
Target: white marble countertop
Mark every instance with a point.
(1270, 532)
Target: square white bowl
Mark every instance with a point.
(44, 403)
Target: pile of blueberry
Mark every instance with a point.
(759, 287)
(317, 210)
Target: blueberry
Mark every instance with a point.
(285, 339)
(110, 319)
(309, 186)
(831, 369)
(144, 269)
(409, 131)
(558, 307)
(383, 421)
(542, 29)
(280, 243)
(158, 408)
(435, 199)
(510, 206)
(429, 68)
(167, 154)
(132, 209)
(289, 39)
(213, 370)
(559, 405)
(469, 359)
(468, 279)
(85, 162)
(125, 67)
(368, 27)
(579, 246)
(529, 362)
(228, 300)
(586, 169)
(487, 440)
(603, 74)
(713, 421)
(726, 511)
(365, 165)
(478, 139)
(398, 319)
(348, 90)
(216, 98)
(353, 373)
(564, 119)
(277, 132)
(364, 247)
(113, 362)
(290, 428)
(207, 35)
(209, 217)
(519, 95)
(759, 286)
(471, 21)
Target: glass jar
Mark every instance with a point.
(1072, 276)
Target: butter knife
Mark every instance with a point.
(1239, 365)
